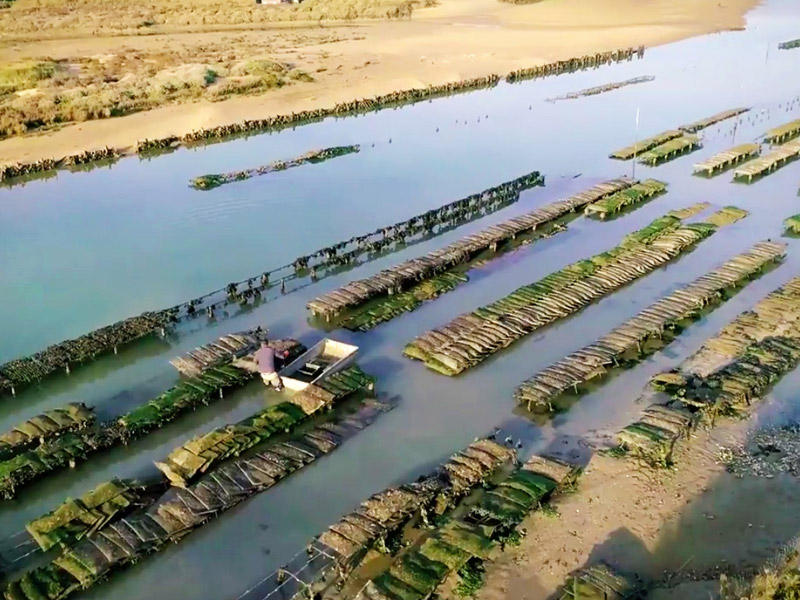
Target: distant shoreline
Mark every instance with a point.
(456, 40)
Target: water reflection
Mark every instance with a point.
(120, 240)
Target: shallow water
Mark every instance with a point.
(83, 249)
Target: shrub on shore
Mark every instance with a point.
(91, 92)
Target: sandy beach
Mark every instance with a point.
(454, 40)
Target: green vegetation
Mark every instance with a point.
(793, 223)
(187, 395)
(773, 582)
(471, 578)
(388, 307)
(74, 519)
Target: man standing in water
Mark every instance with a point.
(265, 358)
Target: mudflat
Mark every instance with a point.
(678, 530)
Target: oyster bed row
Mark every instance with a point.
(793, 223)
(73, 447)
(473, 337)
(201, 453)
(468, 539)
(659, 144)
(594, 360)
(419, 534)
(725, 376)
(727, 158)
(212, 180)
(618, 201)
(783, 133)
(50, 424)
(757, 166)
(14, 170)
(601, 89)
(64, 355)
(400, 276)
(148, 529)
(768, 163)
(712, 120)
(669, 150)
(76, 518)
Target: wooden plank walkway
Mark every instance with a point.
(645, 144)
(670, 150)
(395, 278)
(594, 360)
(707, 122)
(778, 135)
(766, 164)
(726, 159)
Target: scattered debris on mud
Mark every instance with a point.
(767, 453)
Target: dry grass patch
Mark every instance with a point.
(41, 18)
(47, 93)
(24, 75)
(40, 92)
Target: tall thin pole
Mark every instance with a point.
(635, 145)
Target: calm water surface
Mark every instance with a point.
(84, 249)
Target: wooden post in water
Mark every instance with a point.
(635, 145)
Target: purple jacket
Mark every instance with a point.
(265, 357)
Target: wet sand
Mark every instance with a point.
(676, 530)
(455, 40)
